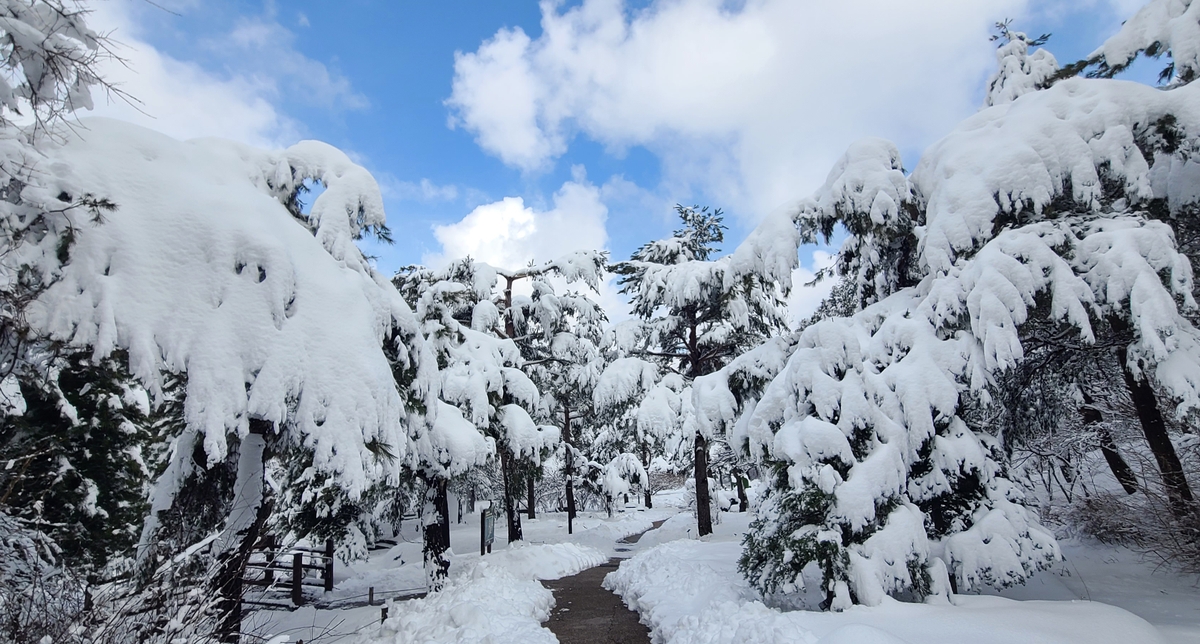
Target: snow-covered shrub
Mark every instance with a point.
(40, 599)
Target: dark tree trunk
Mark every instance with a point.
(1178, 492)
(511, 490)
(703, 502)
(569, 470)
(250, 510)
(646, 483)
(531, 496)
(743, 500)
(437, 533)
(700, 453)
(443, 510)
(1108, 447)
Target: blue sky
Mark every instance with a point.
(588, 135)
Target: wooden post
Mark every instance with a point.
(482, 533)
(269, 546)
(328, 572)
(298, 578)
(383, 614)
(371, 596)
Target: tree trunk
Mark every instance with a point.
(246, 517)
(743, 500)
(531, 496)
(510, 497)
(437, 533)
(1108, 447)
(1178, 492)
(569, 470)
(646, 483)
(703, 499)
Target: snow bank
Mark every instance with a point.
(489, 605)
(549, 561)
(497, 600)
(690, 591)
(680, 526)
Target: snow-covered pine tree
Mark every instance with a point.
(878, 475)
(700, 312)
(84, 454)
(560, 338)
(481, 364)
(639, 411)
(1019, 71)
(275, 319)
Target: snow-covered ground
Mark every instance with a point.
(690, 591)
(496, 596)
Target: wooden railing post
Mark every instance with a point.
(269, 545)
(328, 573)
(298, 578)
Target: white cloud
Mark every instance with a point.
(805, 296)
(266, 49)
(509, 234)
(754, 103)
(181, 98)
(423, 190)
(185, 100)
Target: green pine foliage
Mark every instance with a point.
(82, 456)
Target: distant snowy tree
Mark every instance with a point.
(699, 313)
(638, 411)
(473, 327)
(561, 339)
(1019, 71)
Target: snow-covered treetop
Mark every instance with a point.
(1019, 72)
(1073, 147)
(350, 206)
(869, 196)
(1169, 27)
(725, 303)
(225, 285)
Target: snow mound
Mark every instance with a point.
(610, 530)
(690, 591)
(549, 561)
(488, 604)
(680, 526)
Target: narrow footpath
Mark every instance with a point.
(586, 613)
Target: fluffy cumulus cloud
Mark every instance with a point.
(509, 234)
(753, 100)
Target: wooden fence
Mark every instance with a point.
(273, 567)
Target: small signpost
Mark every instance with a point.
(487, 531)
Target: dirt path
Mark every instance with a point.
(586, 613)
